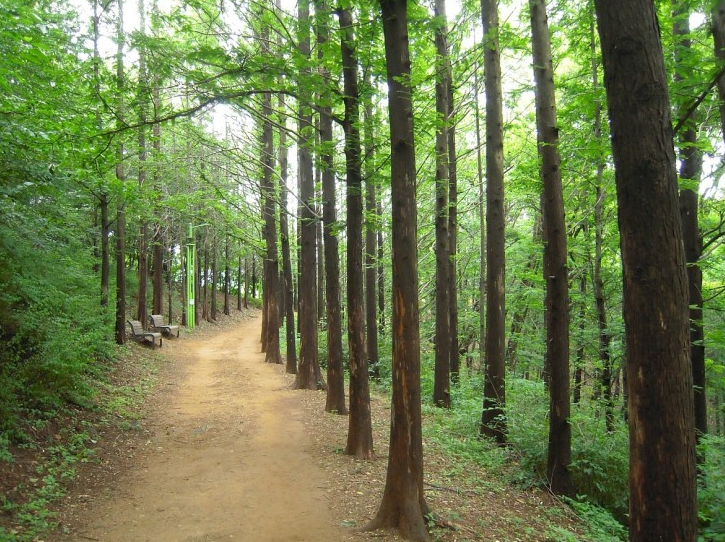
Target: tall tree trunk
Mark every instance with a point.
(493, 421)
(143, 267)
(309, 375)
(605, 338)
(227, 275)
(690, 173)
(381, 268)
(555, 256)
(482, 287)
(661, 414)
(271, 267)
(580, 352)
(120, 232)
(360, 431)
(442, 373)
(455, 356)
(290, 336)
(403, 506)
(371, 225)
(158, 237)
(335, 373)
(239, 283)
(103, 195)
(246, 282)
(718, 36)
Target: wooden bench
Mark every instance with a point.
(138, 334)
(158, 324)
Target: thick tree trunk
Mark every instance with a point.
(403, 506)
(493, 421)
(309, 375)
(360, 432)
(105, 251)
(335, 401)
(442, 373)
(690, 173)
(482, 286)
(555, 257)
(661, 417)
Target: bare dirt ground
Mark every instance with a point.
(226, 450)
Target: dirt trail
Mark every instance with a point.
(227, 457)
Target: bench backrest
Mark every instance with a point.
(136, 327)
(157, 320)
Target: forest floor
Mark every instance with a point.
(224, 449)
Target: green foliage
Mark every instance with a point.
(711, 492)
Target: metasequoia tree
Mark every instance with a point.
(103, 199)
(662, 483)
(442, 380)
(335, 401)
(371, 225)
(143, 84)
(493, 423)
(403, 506)
(690, 172)
(290, 336)
(158, 247)
(555, 256)
(309, 375)
(360, 431)
(120, 230)
(271, 264)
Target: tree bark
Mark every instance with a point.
(120, 232)
(493, 421)
(309, 375)
(690, 173)
(371, 226)
(143, 268)
(271, 275)
(290, 335)
(335, 400)
(555, 257)
(718, 36)
(360, 431)
(403, 506)
(227, 275)
(442, 373)
(661, 417)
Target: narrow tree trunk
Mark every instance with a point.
(309, 375)
(120, 230)
(455, 356)
(227, 275)
(580, 360)
(493, 421)
(403, 506)
(271, 267)
(371, 226)
(661, 417)
(482, 286)
(335, 374)
(690, 172)
(718, 36)
(441, 381)
(246, 282)
(555, 257)
(360, 431)
(143, 268)
(239, 283)
(290, 336)
(214, 277)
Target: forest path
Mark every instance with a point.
(228, 456)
